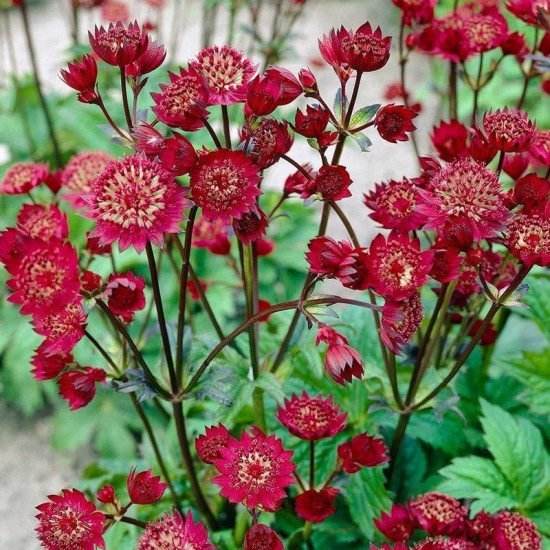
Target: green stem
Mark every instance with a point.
(312, 464)
(226, 127)
(103, 352)
(125, 103)
(453, 83)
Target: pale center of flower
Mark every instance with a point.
(223, 70)
(181, 96)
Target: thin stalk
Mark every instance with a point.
(126, 519)
(226, 127)
(477, 88)
(213, 134)
(527, 75)
(110, 120)
(453, 83)
(161, 318)
(38, 84)
(397, 441)
(103, 352)
(312, 464)
(125, 103)
(75, 21)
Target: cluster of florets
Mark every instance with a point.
(448, 526)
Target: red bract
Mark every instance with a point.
(77, 387)
(147, 140)
(528, 10)
(397, 525)
(209, 444)
(331, 183)
(313, 123)
(508, 131)
(531, 191)
(331, 50)
(438, 514)
(22, 177)
(515, 532)
(342, 362)
(514, 44)
(400, 321)
(480, 528)
(177, 155)
(254, 471)
(106, 495)
(311, 418)
(144, 488)
(316, 506)
(226, 72)
(49, 366)
(224, 184)
(416, 11)
(152, 58)
(250, 227)
(528, 236)
(174, 531)
(393, 204)
(450, 140)
(263, 96)
(393, 121)
(515, 165)
(363, 450)
(62, 328)
(211, 235)
(464, 190)
(82, 77)
(124, 293)
(42, 222)
(326, 256)
(267, 141)
(397, 267)
(70, 521)
(262, 537)
(290, 86)
(446, 265)
(308, 81)
(365, 50)
(182, 103)
(119, 45)
(135, 201)
(541, 147)
(80, 173)
(96, 249)
(297, 182)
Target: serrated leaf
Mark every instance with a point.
(537, 299)
(362, 116)
(271, 385)
(362, 140)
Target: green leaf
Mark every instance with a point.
(362, 140)
(537, 299)
(362, 116)
(271, 385)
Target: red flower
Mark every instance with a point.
(70, 521)
(514, 44)
(416, 11)
(119, 45)
(42, 222)
(177, 155)
(226, 72)
(365, 50)
(182, 103)
(211, 235)
(331, 182)
(194, 289)
(45, 276)
(450, 140)
(480, 528)
(531, 191)
(144, 488)
(508, 131)
(311, 418)
(363, 450)
(342, 362)
(400, 321)
(396, 265)
(152, 58)
(290, 86)
(308, 81)
(528, 10)
(528, 236)
(316, 506)
(262, 537)
(394, 205)
(250, 227)
(267, 141)
(82, 77)
(263, 96)
(224, 184)
(515, 532)
(397, 525)
(438, 514)
(515, 165)
(115, 11)
(313, 122)
(393, 121)
(464, 190)
(209, 444)
(326, 256)
(135, 201)
(78, 387)
(80, 173)
(147, 140)
(49, 366)
(22, 177)
(331, 49)
(125, 294)
(173, 531)
(264, 247)
(106, 495)
(95, 248)
(489, 335)
(446, 265)
(63, 328)
(254, 470)
(541, 147)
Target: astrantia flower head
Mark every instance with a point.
(331, 183)
(397, 525)
(508, 131)
(177, 155)
(263, 96)
(397, 267)
(267, 141)
(224, 184)
(135, 201)
(151, 59)
(80, 173)
(401, 319)
(541, 147)
(47, 367)
(182, 103)
(250, 227)
(212, 235)
(226, 72)
(528, 236)
(316, 506)
(297, 182)
(144, 487)
(209, 444)
(70, 521)
(485, 30)
(262, 537)
(515, 532)
(124, 293)
(528, 10)
(416, 11)
(82, 77)
(465, 189)
(394, 121)
(438, 514)
(290, 85)
(531, 191)
(22, 177)
(119, 45)
(480, 527)
(450, 140)
(174, 531)
(393, 204)
(515, 164)
(331, 49)
(365, 50)
(326, 256)
(342, 362)
(311, 418)
(77, 387)
(43, 222)
(363, 450)
(313, 122)
(254, 470)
